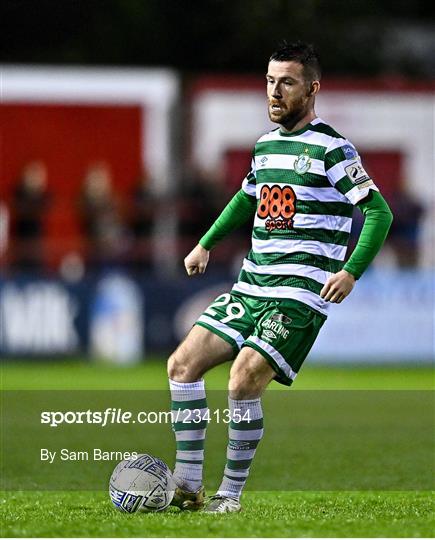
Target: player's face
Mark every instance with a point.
(289, 95)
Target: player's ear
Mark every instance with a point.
(313, 88)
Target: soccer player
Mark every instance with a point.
(304, 182)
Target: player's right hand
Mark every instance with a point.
(197, 260)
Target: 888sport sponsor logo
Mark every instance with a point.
(277, 206)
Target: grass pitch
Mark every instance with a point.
(309, 513)
(282, 514)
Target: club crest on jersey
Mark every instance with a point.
(303, 163)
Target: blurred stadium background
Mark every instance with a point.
(127, 125)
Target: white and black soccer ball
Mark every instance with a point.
(144, 484)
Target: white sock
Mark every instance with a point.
(187, 398)
(244, 436)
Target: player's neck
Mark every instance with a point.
(299, 123)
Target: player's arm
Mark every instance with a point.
(377, 222)
(241, 208)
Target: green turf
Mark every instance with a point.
(291, 514)
(307, 444)
(152, 375)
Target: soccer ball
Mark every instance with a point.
(143, 484)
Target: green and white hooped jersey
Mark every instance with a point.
(306, 184)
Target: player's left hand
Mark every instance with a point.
(338, 287)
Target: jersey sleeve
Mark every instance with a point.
(250, 181)
(345, 171)
(377, 222)
(241, 208)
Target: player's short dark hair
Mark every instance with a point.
(303, 53)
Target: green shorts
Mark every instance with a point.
(282, 331)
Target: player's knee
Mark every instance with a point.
(180, 367)
(177, 369)
(244, 382)
(249, 376)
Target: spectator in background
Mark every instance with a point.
(101, 219)
(30, 204)
(142, 223)
(404, 232)
(196, 207)
(195, 210)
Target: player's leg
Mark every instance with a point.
(250, 374)
(200, 351)
(218, 335)
(282, 339)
